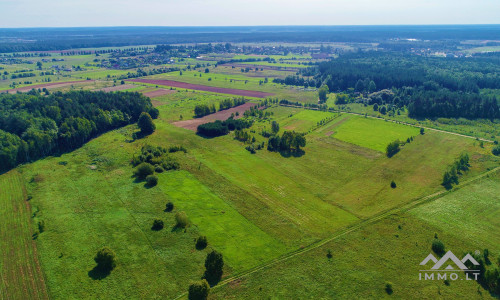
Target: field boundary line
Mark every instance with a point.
(372, 220)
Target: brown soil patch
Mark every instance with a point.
(198, 87)
(329, 133)
(274, 68)
(117, 88)
(51, 85)
(158, 93)
(157, 103)
(221, 115)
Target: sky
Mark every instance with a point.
(92, 13)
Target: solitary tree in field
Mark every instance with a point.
(105, 259)
(181, 220)
(213, 267)
(146, 124)
(422, 131)
(199, 290)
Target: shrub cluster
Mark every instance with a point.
(157, 156)
(489, 272)
(460, 165)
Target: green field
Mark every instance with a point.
(273, 215)
(354, 130)
(387, 251)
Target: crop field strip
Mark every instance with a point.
(20, 271)
(183, 85)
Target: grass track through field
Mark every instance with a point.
(372, 220)
(20, 274)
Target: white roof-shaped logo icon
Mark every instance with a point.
(449, 256)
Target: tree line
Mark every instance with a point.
(202, 110)
(33, 125)
(219, 128)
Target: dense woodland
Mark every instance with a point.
(428, 87)
(34, 125)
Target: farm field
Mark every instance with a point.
(20, 272)
(333, 218)
(184, 85)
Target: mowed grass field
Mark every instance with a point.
(252, 207)
(21, 276)
(371, 133)
(389, 250)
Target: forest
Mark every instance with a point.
(33, 125)
(428, 86)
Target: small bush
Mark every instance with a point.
(157, 225)
(41, 226)
(199, 290)
(496, 151)
(159, 169)
(388, 288)
(329, 254)
(201, 242)
(447, 282)
(169, 207)
(393, 184)
(105, 259)
(143, 170)
(392, 149)
(152, 180)
(181, 219)
(438, 247)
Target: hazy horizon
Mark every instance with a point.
(211, 13)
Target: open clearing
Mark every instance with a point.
(220, 115)
(190, 86)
